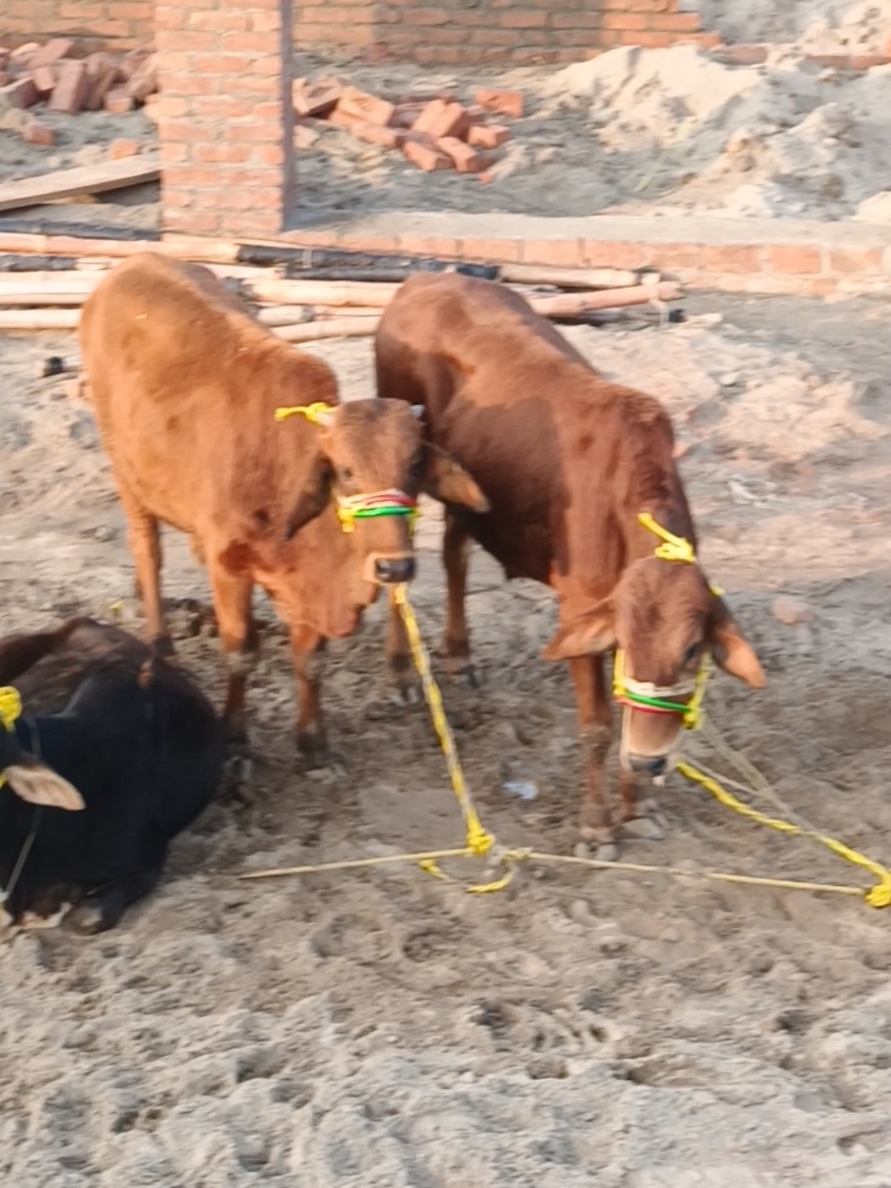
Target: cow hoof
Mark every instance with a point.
(313, 751)
(645, 828)
(162, 646)
(238, 775)
(603, 852)
(471, 676)
(87, 919)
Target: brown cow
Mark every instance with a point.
(568, 462)
(186, 384)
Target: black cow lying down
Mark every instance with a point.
(114, 754)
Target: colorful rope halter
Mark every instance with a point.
(350, 508)
(665, 699)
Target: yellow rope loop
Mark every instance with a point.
(479, 840)
(878, 896)
(10, 706)
(314, 413)
(673, 548)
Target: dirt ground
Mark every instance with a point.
(386, 1030)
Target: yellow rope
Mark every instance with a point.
(481, 843)
(479, 840)
(314, 413)
(10, 712)
(878, 896)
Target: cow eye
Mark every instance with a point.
(344, 474)
(690, 655)
(416, 470)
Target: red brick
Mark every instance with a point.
(318, 98)
(524, 20)
(391, 138)
(675, 22)
(490, 251)
(22, 94)
(54, 51)
(405, 115)
(36, 133)
(599, 253)
(365, 107)
(732, 258)
(869, 61)
(144, 81)
(558, 253)
(650, 39)
(426, 156)
(792, 258)
(426, 245)
(669, 256)
(439, 119)
(855, 260)
(625, 21)
(744, 55)
(25, 52)
(117, 101)
(44, 79)
(507, 103)
(103, 73)
(464, 158)
(487, 136)
(120, 148)
(72, 88)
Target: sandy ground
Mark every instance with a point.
(657, 132)
(389, 1031)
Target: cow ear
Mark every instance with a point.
(36, 784)
(448, 482)
(313, 496)
(731, 650)
(589, 634)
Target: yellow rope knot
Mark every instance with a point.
(10, 712)
(314, 413)
(10, 706)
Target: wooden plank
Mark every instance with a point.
(88, 179)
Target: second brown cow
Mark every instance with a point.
(570, 463)
(186, 384)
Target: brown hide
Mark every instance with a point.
(185, 384)
(567, 461)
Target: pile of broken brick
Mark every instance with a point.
(433, 132)
(50, 74)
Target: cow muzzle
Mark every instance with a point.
(653, 717)
(394, 571)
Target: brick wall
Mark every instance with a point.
(121, 24)
(450, 32)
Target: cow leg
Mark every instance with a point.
(144, 539)
(307, 649)
(103, 909)
(641, 817)
(596, 729)
(232, 595)
(456, 548)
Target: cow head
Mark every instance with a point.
(371, 459)
(664, 620)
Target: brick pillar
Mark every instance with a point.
(225, 116)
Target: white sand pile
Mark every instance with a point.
(785, 138)
(819, 26)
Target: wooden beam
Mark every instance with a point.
(88, 179)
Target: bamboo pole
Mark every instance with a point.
(569, 305)
(39, 319)
(335, 328)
